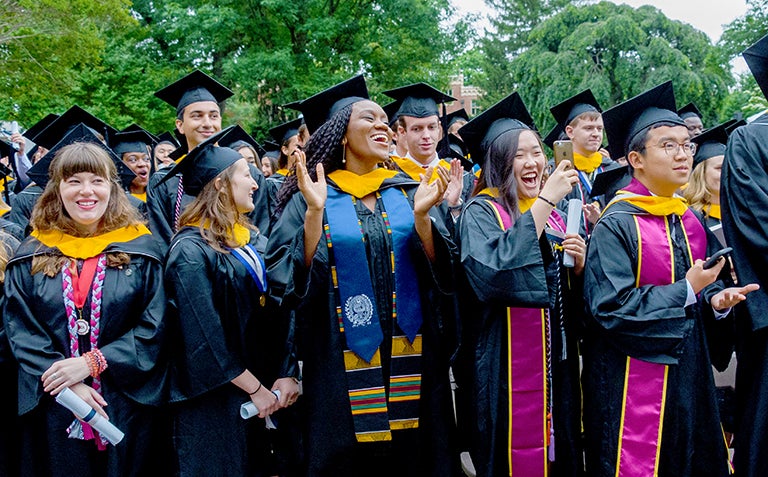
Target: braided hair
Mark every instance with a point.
(324, 147)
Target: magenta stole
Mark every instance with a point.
(529, 428)
(645, 384)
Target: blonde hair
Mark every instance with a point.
(215, 213)
(586, 116)
(49, 213)
(697, 193)
(5, 254)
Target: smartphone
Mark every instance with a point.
(563, 151)
(716, 257)
(14, 130)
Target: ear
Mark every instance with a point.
(217, 183)
(636, 160)
(179, 122)
(569, 131)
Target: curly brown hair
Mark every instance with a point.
(216, 209)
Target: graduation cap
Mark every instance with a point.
(80, 133)
(295, 105)
(39, 127)
(169, 138)
(193, 88)
(688, 111)
(238, 138)
(565, 112)
(390, 110)
(611, 179)
(712, 142)
(132, 141)
(508, 114)
(624, 121)
(204, 163)
(320, 107)
(74, 116)
(7, 150)
(554, 135)
(272, 149)
(458, 115)
(418, 100)
(756, 57)
(733, 124)
(283, 132)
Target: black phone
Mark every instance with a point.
(712, 261)
(563, 151)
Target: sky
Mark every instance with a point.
(708, 16)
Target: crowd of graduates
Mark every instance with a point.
(388, 290)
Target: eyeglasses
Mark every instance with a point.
(671, 148)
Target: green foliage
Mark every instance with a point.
(617, 51)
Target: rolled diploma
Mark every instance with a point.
(86, 413)
(574, 222)
(248, 409)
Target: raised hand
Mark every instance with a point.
(315, 192)
(455, 183)
(428, 195)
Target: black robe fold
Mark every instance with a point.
(331, 446)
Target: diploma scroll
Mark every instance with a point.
(86, 413)
(248, 410)
(572, 227)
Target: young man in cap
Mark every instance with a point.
(196, 98)
(744, 200)
(134, 148)
(649, 396)
(692, 117)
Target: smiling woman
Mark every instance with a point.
(88, 257)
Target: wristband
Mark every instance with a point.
(257, 390)
(547, 201)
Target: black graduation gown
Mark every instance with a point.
(744, 201)
(10, 446)
(23, 203)
(331, 446)
(515, 268)
(648, 323)
(161, 204)
(131, 339)
(218, 327)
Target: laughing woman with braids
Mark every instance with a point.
(367, 271)
(84, 311)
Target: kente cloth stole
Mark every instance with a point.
(529, 374)
(375, 412)
(645, 383)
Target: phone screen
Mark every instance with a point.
(563, 151)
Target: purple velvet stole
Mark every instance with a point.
(645, 383)
(529, 423)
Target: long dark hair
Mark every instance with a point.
(498, 169)
(324, 147)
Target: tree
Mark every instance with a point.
(617, 51)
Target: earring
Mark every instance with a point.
(344, 155)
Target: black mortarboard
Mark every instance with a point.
(131, 141)
(712, 142)
(203, 163)
(390, 110)
(419, 100)
(75, 115)
(193, 88)
(554, 134)
(457, 115)
(80, 133)
(169, 138)
(282, 132)
(320, 107)
(508, 114)
(238, 138)
(272, 149)
(624, 121)
(565, 112)
(295, 105)
(613, 178)
(39, 127)
(6, 150)
(688, 111)
(756, 57)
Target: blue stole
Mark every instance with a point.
(253, 263)
(359, 318)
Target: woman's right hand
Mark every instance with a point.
(89, 395)
(265, 401)
(560, 182)
(315, 192)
